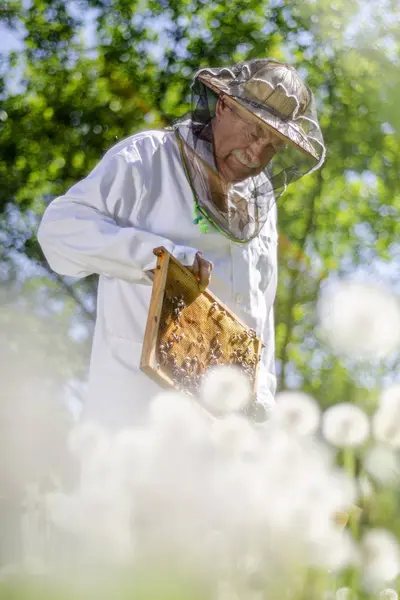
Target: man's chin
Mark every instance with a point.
(242, 175)
(236, 173)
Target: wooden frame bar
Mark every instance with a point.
(149, 363)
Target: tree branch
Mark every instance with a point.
(295, 280)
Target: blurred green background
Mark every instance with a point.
(78, 75)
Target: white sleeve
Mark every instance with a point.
(80, 236)
(267, 382)
(266, 375)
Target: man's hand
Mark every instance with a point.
(201, 269)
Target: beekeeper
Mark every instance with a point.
(207, 190)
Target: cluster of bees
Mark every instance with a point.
(188, 374)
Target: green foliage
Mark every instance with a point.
(79, 96)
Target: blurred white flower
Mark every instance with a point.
(365, 487)
(388, 594)
(390, 396)
(345, 425)
(380, 557)
(36, 566)
(297, 411)
(193, 489)
(10, 572)
(226, 591)
(63, 511)
(87, 438)
(386, 420)
(225, 389)
(382, 463)
(385, 428)
(175, 414)
(360, 320)
(133, 453)
(344, 593)
(234, 435)
(328, 595)
(340, 553)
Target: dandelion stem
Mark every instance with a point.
(350, 467)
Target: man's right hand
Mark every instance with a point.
(201, 269)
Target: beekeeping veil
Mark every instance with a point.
(264, 92)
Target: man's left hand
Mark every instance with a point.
(201, 269)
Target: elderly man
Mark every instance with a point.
(206, 189)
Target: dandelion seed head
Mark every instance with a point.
(225, 389)
(188, 488)
(390, 397)
(235, 435)
(10, 572)
(344, 593)
(360, 320)
(297, 411)
(342, 550)
(388, 594)
(382, 463)
(87, 438)
(175, 414)
(345, 425)
(386, 422)
(380, 557)
(365, 487)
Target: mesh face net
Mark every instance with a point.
(240, 153)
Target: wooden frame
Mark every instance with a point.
(150, 363)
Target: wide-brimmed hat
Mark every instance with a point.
(273, 94)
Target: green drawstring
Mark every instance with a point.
(199, 220)
(204, 228)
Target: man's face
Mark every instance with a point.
(242, 147)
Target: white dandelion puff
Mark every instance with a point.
(173, 413)
(234, 435)
(386, 420)
(380, 557)
(188, 488)
(87, 438)
(333, 549)
(345, 425)
(365, 487)
(344, 593)
(63, 510)
(390, 397)
(34, 565)
(360, 320)
(133, 453)
(328, 595)
(225, 389)
(10, 572)
(382, 463)
(386, 427)
(388, 594)
(226, 591)
(297, 411)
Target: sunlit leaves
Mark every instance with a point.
(79, 100)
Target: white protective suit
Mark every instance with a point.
(138, 198)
